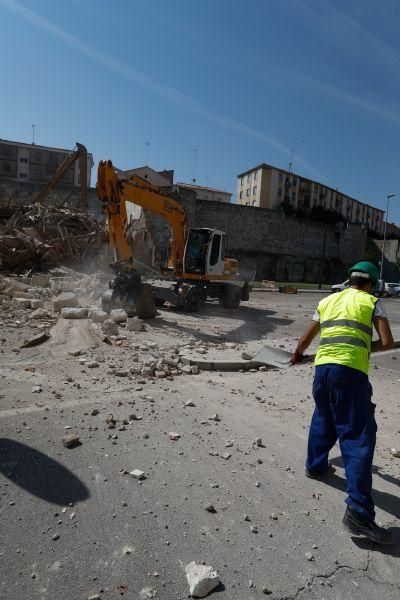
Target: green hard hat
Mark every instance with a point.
(367, 269)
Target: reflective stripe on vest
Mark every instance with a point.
(346, 329)
(347, 323)
(344, 339)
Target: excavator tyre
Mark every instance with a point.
(231, 296)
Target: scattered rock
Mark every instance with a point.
(266, 590)
(225, 455)
(39, 313)
(138, 474)
(174, 436)
(111, 422)
(189, 403)
(92, 364)
(65, 300)
(210, 508)
(74, 313)
(118, 315)
(98, 316)
(36, 340)
(94, 412)
(21, 303)
(94, 597)
(258, 442)
(395, 452)
(309, 556)
(246, 356)
(215, 417)
(202, 579)
(70, 440)
(127, 549)
(134, 324)
(109, 327)
(36, 389)
(253, 529)
(147, 593)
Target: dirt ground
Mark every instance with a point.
(75, 523)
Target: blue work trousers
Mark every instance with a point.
(344, 412)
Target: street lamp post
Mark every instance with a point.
(384, 233)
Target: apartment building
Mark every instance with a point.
(265, 186)
(207, 193)
(30, 162)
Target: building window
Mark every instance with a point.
(254, 202)
(241, 180)
(248, 192)
(255, 175)
(241, 195)
(6, 167)
(280, 177)
(248, 177)
(279, 192)
(255, 189)
(37, 171)
(23, 175)
(23, 160)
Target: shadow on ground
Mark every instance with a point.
(256, 323)
(39, 474)
(389, 550)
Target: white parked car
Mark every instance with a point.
(380, 288)
(392, 289)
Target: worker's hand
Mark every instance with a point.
(296, 357)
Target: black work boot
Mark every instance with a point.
(319, 474)
(359, 525)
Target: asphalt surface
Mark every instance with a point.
(73, 524)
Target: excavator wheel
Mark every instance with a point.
(231, 297)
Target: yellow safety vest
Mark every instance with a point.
(346, 329)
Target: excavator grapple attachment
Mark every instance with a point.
(128, 292)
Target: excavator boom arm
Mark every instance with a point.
(115, 190)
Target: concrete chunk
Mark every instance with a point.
(98, 316)
(134, 324)
(118, 315)
(39, 280)
(74, 313)
(202, 579)
(65, 300)
(109, 327)
(21, 302)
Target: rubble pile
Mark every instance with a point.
(35, 236)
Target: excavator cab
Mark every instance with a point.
(205, 252)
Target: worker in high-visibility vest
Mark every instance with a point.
(342, 392)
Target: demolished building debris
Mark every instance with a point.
(36, 236)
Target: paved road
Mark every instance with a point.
(72, 524)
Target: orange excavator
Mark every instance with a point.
(196, 269)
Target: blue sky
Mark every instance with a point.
(241, 81)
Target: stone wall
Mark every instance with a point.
(391, 259)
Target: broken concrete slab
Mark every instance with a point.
(65, 300)
(74, 313)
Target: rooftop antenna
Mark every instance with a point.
(207, 180)
(195, 164)
(147, 153)
(291, 162)
(33, 134)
